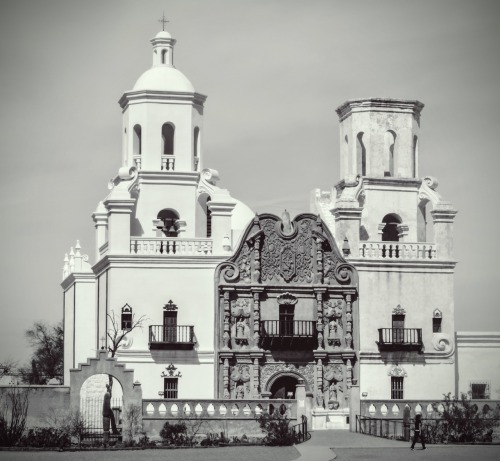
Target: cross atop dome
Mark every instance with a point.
(163, 22)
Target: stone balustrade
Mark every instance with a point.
(171, 246)
(393, 409)
(223, 409)
(397, 250)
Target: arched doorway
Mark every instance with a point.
(284, 387)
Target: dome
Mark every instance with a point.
(241, 218)
(163, 34)
(163, 78)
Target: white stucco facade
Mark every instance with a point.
(160, 234)
(165, 227)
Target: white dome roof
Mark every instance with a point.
(163, 78)
(163, 34)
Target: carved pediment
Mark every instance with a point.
(281, 251)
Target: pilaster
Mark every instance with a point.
(120, 211)
(443, 217)
(221, 213)
(347, 224)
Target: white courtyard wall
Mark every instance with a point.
(423, 381)
(478, 360)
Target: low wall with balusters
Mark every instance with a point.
(233, 417)
(393, 409)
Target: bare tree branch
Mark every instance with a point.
(116, 335)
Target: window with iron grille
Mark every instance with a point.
(170, 388)
(126, 317)
(396, 387)
(436, 325)
(480, 390)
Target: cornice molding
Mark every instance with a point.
(165, 357)
(161, 97)
(404, 265)
(477, 338)
(168, 177)
(408, 106)
(375, 358)
(156, 262)
(77, 277)
(391, 181)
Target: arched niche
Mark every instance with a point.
(390, 232)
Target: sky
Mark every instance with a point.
(274, 72)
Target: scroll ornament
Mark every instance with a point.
(443, 343)
(230, 272)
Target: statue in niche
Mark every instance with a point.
(240, 391)
(333, 314)
(334, 385)
(241, 331)
(333, 391)
(334, 332)
(348, 340)
(240, 377)
(240, 328)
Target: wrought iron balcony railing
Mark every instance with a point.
(171, 337)
(295, 334)
(400, 339)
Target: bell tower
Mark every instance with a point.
(162, 128)
(397, 231)
(162, 116)
(379, 137)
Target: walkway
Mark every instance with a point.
(322, 445)
(349, 446)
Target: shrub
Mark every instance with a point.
(132, 422)
(42, 437)
(174, 434)
(462, 422)
(144, 442)
(277, 429)
(13, 411)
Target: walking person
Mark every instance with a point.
(419, 433)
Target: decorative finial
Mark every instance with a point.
(163, 22)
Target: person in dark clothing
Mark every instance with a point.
(419, 433)
(107, 412)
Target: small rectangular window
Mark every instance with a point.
(170, 389)
(480, 390)
(436, 325)
(397, 387)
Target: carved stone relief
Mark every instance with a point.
(243, 263)
(240, 325)
(287, 259)
(397, 371)
(333, 385)
(240, 379)
(269, 369)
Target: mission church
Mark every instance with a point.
(351, 300)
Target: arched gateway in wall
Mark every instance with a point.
(104, 365)
(287, 310)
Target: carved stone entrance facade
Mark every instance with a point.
(287, 312)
